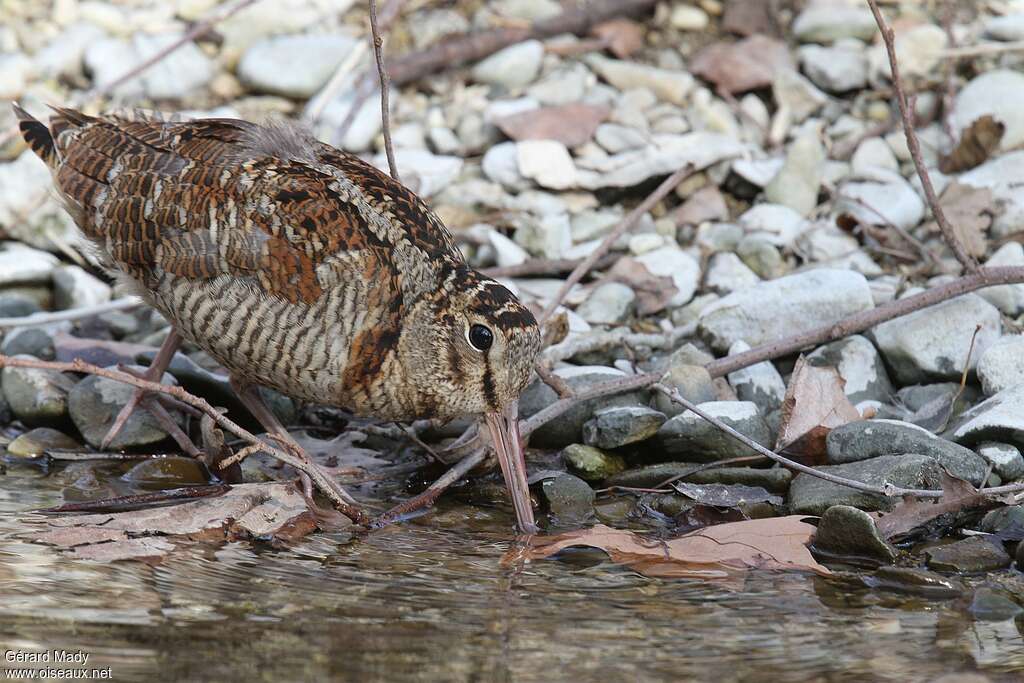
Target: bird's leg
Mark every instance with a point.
(154, 373)
(250, 397)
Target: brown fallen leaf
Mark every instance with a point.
(712, 552)
(747, 18)
(970, 210)
(653, 292)
(977, 143)
(913, 512)
(706, 204)
(815, 404)
(570, 124)
(738, 67)
(622, 36)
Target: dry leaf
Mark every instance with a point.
(712, 552)
(978, 142)
(622, 36)
(653, 292)
(913, 512)
(815, 404)
(746, 18)
(570, 124)
(706, 204)
(737, 67)
(970, 210)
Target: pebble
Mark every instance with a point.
(775, 479)
(295, 66)
(547, 162)
(507, 253)
(621, 426)
(21, 265)
(366, 125)
(918, 50)
(592, 464)
(810, 495)
(860, 365)
(569, 499)
(993, 605)
(432, 172)
(615, 137)
(998, 93)
(917, 582)
(1006, 460)
(847, 532)
(689, 18)
(1000, 418)
(73, 287)
(610, 303)
(669, 85)
(673, 262)
(1009, 27)
(550, 236)
(697, 440)
(15, 73)
(760, 383)
(62, 57)
(871, 154)
(36, 341)
(36, 396)
(1002, 176)
(890, 197)
(797, 183)
(836, 69)
(797, 97)
(778, 308)
(17, 305)
(857, 441)
(183, 71)
(501, 164)
(774, 223)
(727, 273)
(1009, 299)
(970, 556)
(513, 67)
(565, 85)
(1000, 366)
(35, 442)
(693, 382)
(933, 343)
(827, 22)
(169, 472)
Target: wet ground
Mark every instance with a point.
(431, 600)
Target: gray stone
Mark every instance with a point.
(431, 172)
(94, 404)
(871, 154)
(610, 303)
(568, 498)
(1000, 418)
(615, 137)
(988, 604)
(796, 96)
(1006, 460)
(969, 556)
(845, 531)
(760, 383)
(73, 287)
(796, 185)
(673, 262)
(294, 66)
(173, 77)
(592, 464)
(512, 67)
(998, 93)
(63, 55)
(762, 257)
(1007, 298)
(776, 309)
(693, 382)
(727, 273)
(916, 582)
(167, 472)
(809, 495)
(858, 363)
(366, 125)
(36, 397)
(933, 343)
(669, 85)
(35, 442)
(826, 22)
(1009, 27)
(836, 69)
(879, 196)
(697, 440)
(501, 165)
(775, 479)
(1002, 519)
(616, 427)
(21, 265)
(867, 439)
(1002, 175)
(13, 305)
(32, 341)
(1001, 366)
(546, 162)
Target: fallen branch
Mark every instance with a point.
(434, 491)
(543, 266)
(906, 107)
(382, 72)
(71, 314)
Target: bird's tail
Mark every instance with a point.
(36, 135)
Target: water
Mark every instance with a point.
(431, 600)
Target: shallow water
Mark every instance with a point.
(431, 600)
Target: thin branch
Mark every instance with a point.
(71, 314)
(625, 224)
(431, 494)
(560, 386)
(969, 263)
(544, 266)
(385, 113)
(982, 49)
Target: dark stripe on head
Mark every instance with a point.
(490, 392)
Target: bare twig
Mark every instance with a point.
(427, 498)
(71, 314)
(385, 113)
(543, 266)
(949, 69)
(560, 386)
(963, 382)
(982, 49)
(625, 224)
(906, 107)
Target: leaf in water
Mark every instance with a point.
(653, 292)
(570, 124)
(978, 142)
(815, 404)
(712, 552)
(623, 36)
(726, 495)
(913, 512)
(970, 210)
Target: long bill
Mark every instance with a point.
(508, 445)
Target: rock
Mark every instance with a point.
(872, 154)
(1007, 298)
(592, 464)
(1006, 460)
(845, 531)
(183, 71)
(17, 305)
(33, 341)
(740, 66)
(1000, 418)
(35, 442)
(916, 582)
(616, 138)
(366, 125)
(21, 265)
(295, 66)
(933, 343)
(1008, 28)
(673, 262)
(998, 93)
(547, 162)
(776, 309)
(688, 18)
(565, 85)
(993, 605)
(826, 22)
(692, 381)
(1002, 519)
(665, 153)
(697, 440)
(797, 97)
(918, 50)
(15, 73)
(1000, 366)
(1003, 177)
(775, 479)
(890, 196)
(501, 164)
(969, 556)
(760, 383)
(797, 183)
(858, 441)
(36, 396)
(669, 85)
(617, 427)
(512, 67)
(809, 495)
(550, 237)
(727, 273)
(62, 57)
(434, 172)
(73, 287)
(836, 69)
(568, 498)
(774, 223)
(610, 303)
(94, 404)
(167, 472)
(859, 364)
(506, 252)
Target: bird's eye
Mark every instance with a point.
(480, 337)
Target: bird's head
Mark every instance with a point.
(469, 349)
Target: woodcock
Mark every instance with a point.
(298, 267)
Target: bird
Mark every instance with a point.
(298, 267)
